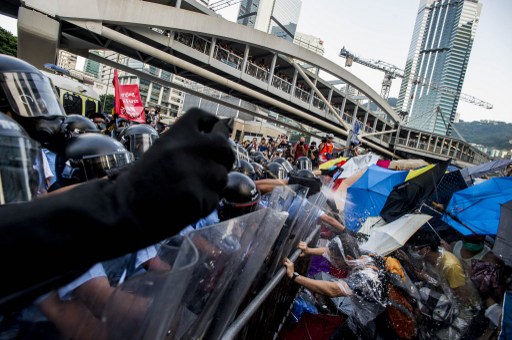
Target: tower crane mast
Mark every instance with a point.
(392, 72)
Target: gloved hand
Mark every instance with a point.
(183, 172)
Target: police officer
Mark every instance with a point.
(185, 172)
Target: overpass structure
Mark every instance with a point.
(189, 40)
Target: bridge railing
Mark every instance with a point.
(263, 74)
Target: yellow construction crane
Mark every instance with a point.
(391, 72)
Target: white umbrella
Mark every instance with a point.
(358, 163)
(392, 236)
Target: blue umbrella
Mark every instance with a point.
(477, 208)
(367, 195)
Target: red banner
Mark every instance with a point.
(128, 103)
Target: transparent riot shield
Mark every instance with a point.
(293, 196)
(213, 265)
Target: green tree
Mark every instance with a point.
(107, 102)
(8, 42)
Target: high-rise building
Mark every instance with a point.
(309, 42)
(436, 65)
(276, 17)
(92, 67)
(66, 60)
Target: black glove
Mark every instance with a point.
(64, 234)
(314, 184)
(182, 173)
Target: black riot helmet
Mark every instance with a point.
(29, 97)
(240, 196)
(305, 173)
(21, 170)
(275, 170)
(261, 159)
(304, 162)
(286, 165)
(259, 170)
(88, 156)
(246, 168)
(77, 124)
(137, 138)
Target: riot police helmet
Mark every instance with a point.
(21, 169)
(29, 97)
(304, 162)
(89, 156)
(138, 138)
(240, 196)
(275, 170)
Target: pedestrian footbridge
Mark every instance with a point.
(261, 70)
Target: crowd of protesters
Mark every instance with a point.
(125, 193)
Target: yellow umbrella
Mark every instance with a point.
(331, 162)
(414, 173)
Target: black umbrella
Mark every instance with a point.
(410, 195)
(503, 245)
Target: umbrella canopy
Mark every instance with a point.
(503, 245)
(392, 236)
(358, 163)
(473, 172)
(332, 162)
(407, 197)
(477, 208)
(407, 164)
(367, 195)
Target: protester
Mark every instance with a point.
(327, 148)
(360, 295)
(300, 149)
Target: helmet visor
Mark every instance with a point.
(31, 94)
(97, 166)
(21, 174)
(138, 144)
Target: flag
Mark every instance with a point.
(128, 103)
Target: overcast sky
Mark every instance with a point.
(374, 29)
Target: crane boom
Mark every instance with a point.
(391, 72)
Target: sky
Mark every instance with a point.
(382, 30)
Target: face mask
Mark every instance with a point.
(473, 247)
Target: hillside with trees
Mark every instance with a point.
(489, 133)
(8, 42)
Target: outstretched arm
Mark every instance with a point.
(63, 235)
(327, 288)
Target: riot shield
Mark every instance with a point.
(213, 265)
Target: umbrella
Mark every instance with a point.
(451, 182)
(355, 164)
(503, 245)
(478, 207)
(407, 164)
(339, 194)
(367, 195)
(407, 197)
(332, 162)
(392, 236)
(473, 172)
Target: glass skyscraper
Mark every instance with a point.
(436, 65)
(276, 17)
